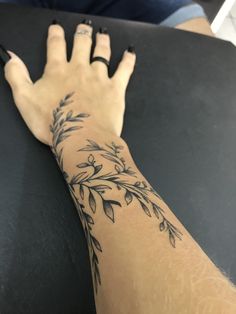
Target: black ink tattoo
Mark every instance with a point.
(93, 185)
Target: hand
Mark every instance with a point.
(94, 92)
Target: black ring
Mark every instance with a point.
(101, 59)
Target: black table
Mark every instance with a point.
(180, 125)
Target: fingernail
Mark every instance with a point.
(4, 55)
(54, 22)
(87, 22)
(131, 49)
(103, 30)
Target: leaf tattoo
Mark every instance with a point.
(90, 173)
(60, 132)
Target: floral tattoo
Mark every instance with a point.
(93, 184)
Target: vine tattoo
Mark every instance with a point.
(92, 184)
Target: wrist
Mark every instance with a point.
(74, 111)
(63, 122)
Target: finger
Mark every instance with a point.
(56, 45)
(102, 49)
(125, 68)
(20, 82)
(16, 74)
(82, 43)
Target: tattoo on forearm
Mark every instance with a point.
(93, 185)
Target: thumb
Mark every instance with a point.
(17, 74)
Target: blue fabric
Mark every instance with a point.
(153, 11)
(184, 14)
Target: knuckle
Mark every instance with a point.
(21, 95)
(56, 63)
(104, 48)
(10, 66)
(103, 38)
(81, 66)
(120, 82)
(129, 63)
(55, 66)
(99, 76)
(83, 38)
(55, 39)
(115, 86)
(7, 71)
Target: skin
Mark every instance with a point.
(141, 267)
(198, 25)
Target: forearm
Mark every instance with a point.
(142, 257)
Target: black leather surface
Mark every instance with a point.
(180, 126)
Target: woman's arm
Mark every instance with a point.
(143, 260)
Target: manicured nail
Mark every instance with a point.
(103, 30)
(131, 49)
(4, 55)
(54, 22)
(87, 22)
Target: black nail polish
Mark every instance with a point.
(4, 55)
(54, 22)
(87, 22)
(131, 49)
(103, 30)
